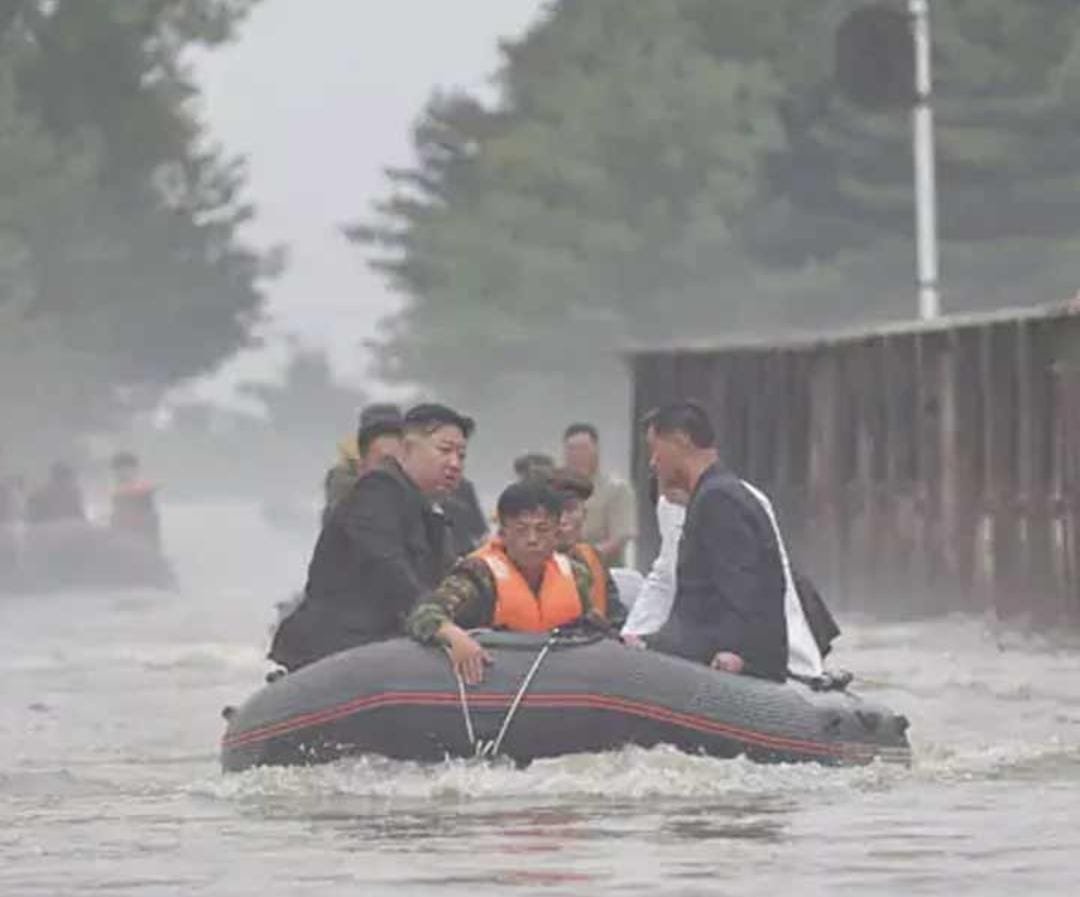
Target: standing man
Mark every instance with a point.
(468, 526)
(134, 506)
(59, 498)
(378, 437)
(610, 515)
(383, 546)
(736, 606)
(575, 491)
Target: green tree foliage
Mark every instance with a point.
(120, 267)
(675, 168)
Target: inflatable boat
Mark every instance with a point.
(546, 696)
(77, 554)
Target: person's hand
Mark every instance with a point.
(634, 641)
(466, 656)
(728, 662)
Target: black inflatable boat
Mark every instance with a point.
(78, 554)
(545, 697)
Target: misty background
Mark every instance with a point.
(226, 225)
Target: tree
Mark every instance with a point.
(545, 233)
(653, 171)
(121, 263)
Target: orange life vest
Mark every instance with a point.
(589, 556)
(516, 607)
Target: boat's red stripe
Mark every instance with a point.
(570, 700)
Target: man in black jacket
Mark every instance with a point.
(729, 603)
(383, 546)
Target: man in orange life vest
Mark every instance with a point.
(134, 510)
(575, 491)
(517, 581)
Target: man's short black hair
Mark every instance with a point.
(687, 417)
(378, 419)
(570, 485)
(530, 495)
(124, 460)
(532, 463)
(429, 416)
(576, 429)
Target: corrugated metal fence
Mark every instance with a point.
(917, 469)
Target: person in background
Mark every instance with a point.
(59, 498)
(378, 436)
(468, 527)
(575, 491)
(653, 604)
(610, 514)
(533, 464)
(736, 606)
(134, 507)
(517, 582)
(383, 546)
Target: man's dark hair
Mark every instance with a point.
(687, 417)
(576, 429)
(429, 416)
(124, 460)
(378, 419)
(569, 484)
(522, 498)
(532, 463)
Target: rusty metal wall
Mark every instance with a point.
(916, 470)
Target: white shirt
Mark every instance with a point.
(804, 658)
(653, 603)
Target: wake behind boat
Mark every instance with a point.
(545, 697)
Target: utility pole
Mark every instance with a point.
(922, 127)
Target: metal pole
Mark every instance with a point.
(922, 120)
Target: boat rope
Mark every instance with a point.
(463, 698)
(490, 749)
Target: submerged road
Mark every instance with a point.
(109, 783)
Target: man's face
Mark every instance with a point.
(571, 523)
(389, 445)
(580, 454)
(530, 538)
(436, 461)
(666, 455)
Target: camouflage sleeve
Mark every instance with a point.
(466, 596)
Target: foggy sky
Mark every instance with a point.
(320, 96)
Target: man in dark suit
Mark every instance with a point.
(384, 544)
(729, 607)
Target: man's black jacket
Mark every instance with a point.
(383, 546)
(730, 578)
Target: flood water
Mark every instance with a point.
(109, 783)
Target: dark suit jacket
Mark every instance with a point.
(730, 594)
(381, 548)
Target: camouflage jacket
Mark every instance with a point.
(466, 596)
